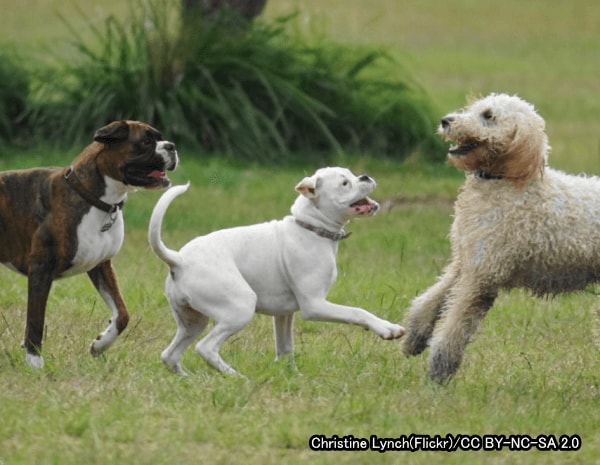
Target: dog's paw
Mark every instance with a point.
(34, 360)
(98, 346)
(177, 369)
(443, 366)
(391, 331)
(104, 340)
(94, 351)
(414, 343)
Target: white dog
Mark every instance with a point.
(276, 268)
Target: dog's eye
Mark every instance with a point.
(147, 141)
(345, 183)
(487, 115)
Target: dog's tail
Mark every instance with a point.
(170, 257)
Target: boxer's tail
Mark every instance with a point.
(170, 257)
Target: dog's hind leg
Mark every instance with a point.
(190, 324)
(104, 279)
(230, 318)
(425, 311)
(284, 339)
(209, 346)
(466, 308)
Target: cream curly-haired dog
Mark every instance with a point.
(517, 223)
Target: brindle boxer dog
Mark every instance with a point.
(58, 222)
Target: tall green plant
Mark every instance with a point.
(254, 92)
(14, 93)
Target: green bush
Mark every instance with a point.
(250, 92)
(14, 93)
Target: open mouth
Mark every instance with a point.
(464, 148)
(157, 174)
(147, 177)
(364, 206)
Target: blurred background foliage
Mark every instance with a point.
(218, 82)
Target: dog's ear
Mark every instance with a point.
(113, 132)
(526, 155)
(308, 187)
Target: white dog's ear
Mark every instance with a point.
(308, 187)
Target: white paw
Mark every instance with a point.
(34, 361)
(391, 331)
(177, 369)
(103, 341)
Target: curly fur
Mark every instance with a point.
(518, 223)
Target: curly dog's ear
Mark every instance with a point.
(527, 153)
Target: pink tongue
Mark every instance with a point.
(362, 208)
(157, 174)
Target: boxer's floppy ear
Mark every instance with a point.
(113, 132)
(308, 187)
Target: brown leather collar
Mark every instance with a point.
(73, 180)
(338, 236)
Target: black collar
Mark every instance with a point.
(338, 236)
(487, 176)
(73, 180)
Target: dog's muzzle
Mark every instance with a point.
(446, 121)
(149, 170)
(461, 147)
(365, 205)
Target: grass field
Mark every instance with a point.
(533, 368)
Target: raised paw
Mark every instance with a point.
(99, 345)
(414, 343)
(104, 340)
(390, 331)
(95, 351)
(443, 365)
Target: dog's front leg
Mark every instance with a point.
(466, 308)
(38, 288)
(104, 279)
(425, 310)
(324, 310)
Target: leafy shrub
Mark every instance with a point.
(253, 92)
(14, 92)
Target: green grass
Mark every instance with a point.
(532, 369)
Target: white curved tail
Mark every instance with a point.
(170, 257)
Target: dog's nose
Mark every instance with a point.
(364, 178)
(170, 146)
(446, 120)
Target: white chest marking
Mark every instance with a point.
(94, 245)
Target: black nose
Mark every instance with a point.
(364, 178)
(446, 120)
(169, 146)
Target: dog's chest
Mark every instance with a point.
(95, 246)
